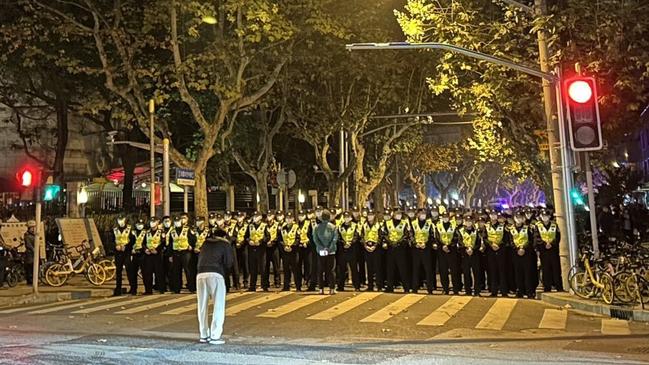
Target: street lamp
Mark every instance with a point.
(82, 199)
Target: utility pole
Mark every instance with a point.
(37, 240)
(152, 155)
(166, 211)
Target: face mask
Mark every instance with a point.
(468, 224)
(365, 214)
(121, 222)
(301, 218)
(528, 215)
(289, 220)
(185, 220)
(178, 224)
(167, 224)
(227, 217)
(271, 217)
(318, 214)
(139, 226)
(545, 219)
(339, 211)
(518, 220)
(493, 217)
(239, 219)
(502, 220)
(434, 215)
(397, 216)
(200, 224)
(347, 220)
(459, 221)
(422, 217)
(446, 220)
(370, 218)
(220, 222)
(280, 218)
(411, 215)
(212, 221)
(257, 219)
(355, 214)
(153, 224)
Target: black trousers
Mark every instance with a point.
(3, 267)
(182, 262)
(551, 269)
(167, 263)
(433, 264)
(524, 267)
(291, 268)
(232, 275)
(305, 263)
(397, 263)
(421, 259)
(159, 273)
(511, 273)
(272, 256)
(326, 271)
(242, 262)
(151, 265)
(137, 262)
(497, 265)
(256, 264)
(29, 272)
(484, 270)
(471, 272)
(448, 264)
(375, 275)
(123, 260)
(348, 260)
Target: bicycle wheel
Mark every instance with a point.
(581, 284)
(109, 267)
(11, 278)
(619, 283)
(608, 289)
(95, 274)
(56, 275)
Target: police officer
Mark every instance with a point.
(30, 246)
(523, 257)
(314, 217)
(290, 250)
(396, 231)
(182, 257)
(547, 243)
(166, 254)
(305, 249)
(137, 254)
(495, 240)
(338, 215)
(359, 218)
(272, 252)
(123, 240)
(373, 251)
(152, 263)
(423, 233)
(448, 254)
(469, 244)
(348, 252)
(240, 237)
(228, 226)
(257, 237)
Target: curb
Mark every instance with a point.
(637, 315)
(52, 297)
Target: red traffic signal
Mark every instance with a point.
(583, 114)
(28, 177)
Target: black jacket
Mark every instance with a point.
(215, 256)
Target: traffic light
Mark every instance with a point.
(583, 114)
(51, 192)
(28, 177)
(577, 199)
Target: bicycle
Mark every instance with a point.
(588, 283)
(58, 274)
(638, 288)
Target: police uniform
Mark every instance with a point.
(305, 258)
(167, 255)
(348, 236)
(524, 258)
(359, 218)
(257, 237)
(422, 239)
(137, 255)
(273, 227)
(371, 239)
(182, 250)
(447, 255)
(496, 238)
(123, 240)
(229, 226)
(290, 250)
(548, 238)
(239, 237)
(396, 232)
(470, 244)
(152, 262)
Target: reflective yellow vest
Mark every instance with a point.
(257, 234)
(139, 240)
(371, 233)
(422, 234)
(180, 241)
(495, 235)
(288, 237)
(200, 238)
(153, 240)
(304, 233)
(339, 221)
(521, 239)
(446, 236)
(395, 233)
(547, 235)
(231, 229)
(272, 231)
(347, 234)
(122, 237)
(468, 238)
(241, 234)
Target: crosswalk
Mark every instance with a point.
(368, 308)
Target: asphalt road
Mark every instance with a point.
(299, 328)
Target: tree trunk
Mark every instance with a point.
(61, 139)
(261, 184)
(200, 193)
(420, 190)
(335, 193)
(379, 197)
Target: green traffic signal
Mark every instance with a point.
(51, 192)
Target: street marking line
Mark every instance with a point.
(554, 319)
(193, 306)
(615, 327)
(292, 306)
(497, 315)
(63, 307)
(48, 305)
(238, 308)
(125, 303)
(345, 306)
(163, 303)
(393, 309)
(445, 312)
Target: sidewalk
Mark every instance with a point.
(596, 307)
(75, 288)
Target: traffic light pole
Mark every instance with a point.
(37, 241)
(152, 157)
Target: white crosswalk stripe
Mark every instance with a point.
(446, 311)
(48, 305)
(554, 319)
(192, 307)
(240, 307)
(74, 305)
(345, 306)
(615, 327)
(393, 309)
(292, 306)
(497, 315)
(159, 304)
(121, 304)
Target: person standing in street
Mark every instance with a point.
(3, 263)
(123, 240)
(152, 264)
(423, 232)
(257, 238)
(548, 238)
(325, 236)
(214, 260)
(30, 244)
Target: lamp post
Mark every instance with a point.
(152, 157)
(82, 199)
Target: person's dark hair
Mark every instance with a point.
(326, 215)
(219, 233)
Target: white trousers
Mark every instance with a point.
(210, 285)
